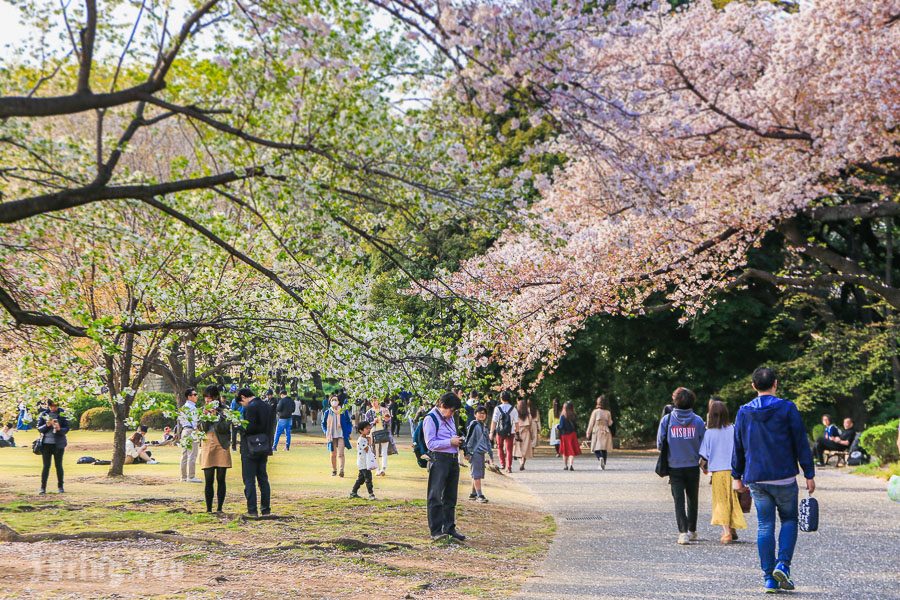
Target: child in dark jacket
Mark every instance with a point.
(477, 445)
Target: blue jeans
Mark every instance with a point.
(768, 498)
(284, 426)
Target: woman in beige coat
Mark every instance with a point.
(598, 431)
(524, 432)
(215, 458)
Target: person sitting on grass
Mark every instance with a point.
(477, 445)
(7, 436)
(365, 460)
(168, 438)
(136, 450)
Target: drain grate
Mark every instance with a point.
(584, 518)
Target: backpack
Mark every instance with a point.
(504, 425)
(86, 460)
(858, 455)
(420, 449)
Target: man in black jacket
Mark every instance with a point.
(256, 449)
(285, 411)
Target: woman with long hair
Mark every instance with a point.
(552, 418)
(598, 431)
(215, 458)
(568, 436)
(523, 448)
(337, 427)
(716, 450)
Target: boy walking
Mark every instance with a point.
(365, 460)
(769, 441)
(477, 445)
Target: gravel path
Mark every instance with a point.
(616, 539)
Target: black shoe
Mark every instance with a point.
(456, 535)
(472, 496)
(61, 490)
(266, 513)
(354, 495)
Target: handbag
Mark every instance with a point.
(37, 446)
(662, 463)
(809, 514)
(381, 436)
(745, 500)
(258, 445)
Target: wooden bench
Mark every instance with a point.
(840, 457)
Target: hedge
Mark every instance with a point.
(881, 440)
(101, 417)
(156, 419)
(81, 402)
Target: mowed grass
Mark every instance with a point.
(323, 535)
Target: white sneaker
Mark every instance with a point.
(195, 480)
(683, 539)
(694, 536)
(152, 461)
(600, 467)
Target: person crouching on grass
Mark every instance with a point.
(477, 445)
(365, 460)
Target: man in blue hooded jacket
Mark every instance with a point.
(769, 442)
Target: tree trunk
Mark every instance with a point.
(118, 458)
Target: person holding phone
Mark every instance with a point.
(53, 427)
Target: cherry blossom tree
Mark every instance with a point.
(690, 134)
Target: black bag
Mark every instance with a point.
(662, 463)
(86, 460)
(858, 455)
(258, 445)
(809, 514)
(37, 446)
(504, 424)
(381, 436)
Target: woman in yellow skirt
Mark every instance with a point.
(716, 449)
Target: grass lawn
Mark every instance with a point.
(326, 545)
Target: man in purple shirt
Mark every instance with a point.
(439, 431)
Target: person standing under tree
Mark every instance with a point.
(716, 451)
(336, 425)
(684, 430)
(598, 431)
(439, 431)
(256, 448)
(215, 458)
(187, 425)
(53, 426)
(769, 442)
(284, 409)
(503, 425)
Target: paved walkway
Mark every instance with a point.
(616, 539)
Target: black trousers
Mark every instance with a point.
(253, 470)
(395, 425)
(600, 454)
(443, 483)
(365, 477)
(822, 445)
(214, 476)
(685, 482)
(49, 451)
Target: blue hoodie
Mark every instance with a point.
(769, 441)
(685, 431)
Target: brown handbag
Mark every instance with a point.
(745, 500)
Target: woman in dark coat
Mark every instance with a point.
(53, 427)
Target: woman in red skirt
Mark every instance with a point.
(568, 437)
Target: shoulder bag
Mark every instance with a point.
(662, 463)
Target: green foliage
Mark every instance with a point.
(881, 441)
(156, 419)
(100, 417)
(818, 431)
(82, 401)
(151, 401)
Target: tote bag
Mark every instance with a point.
(662, 463)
